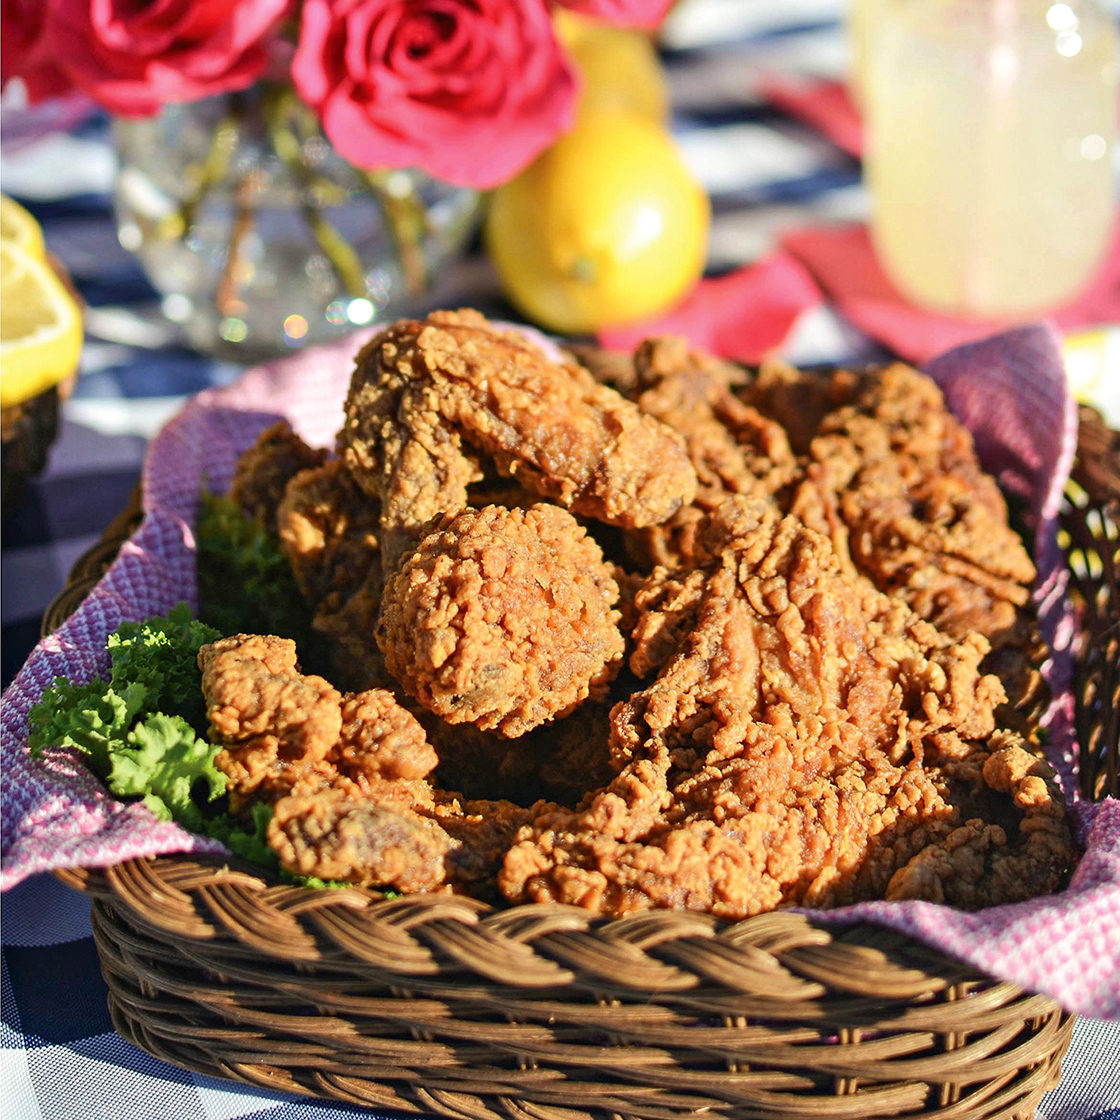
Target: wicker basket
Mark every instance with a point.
(440, 1004)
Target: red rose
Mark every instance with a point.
(632, 13)
(133, 58)
(24, 52)
(468, 90)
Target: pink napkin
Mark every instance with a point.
(744, 315)
(822, 103)
(843, 262)
(1011, 390)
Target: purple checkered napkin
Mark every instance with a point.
(1010, 391)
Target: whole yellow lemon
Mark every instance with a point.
(618, 66)
(606, 227)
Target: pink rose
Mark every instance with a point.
(133, 57)
(468, 90)
(632, 13)
(24, 51)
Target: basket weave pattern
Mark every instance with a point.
(443, 1005)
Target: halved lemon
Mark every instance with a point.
(18, 227)
(40, 326)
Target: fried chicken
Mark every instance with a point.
(503, 618)
(428, 398)
(328, 529)
(347, 776)
(893, 479)
(328, 835)
(789, 702)
(263, 470)
(276, 725)
(734, 449)
(805, 739)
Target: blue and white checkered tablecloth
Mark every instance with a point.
(59, 1056)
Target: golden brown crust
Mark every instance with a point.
(503, 618)
(429, 397)
(803, 717)
(778, 756)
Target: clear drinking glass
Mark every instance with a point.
(991, 131)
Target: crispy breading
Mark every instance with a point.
(734, 448)
(778, 756)
(503, 618)
(893, 479)
(346, 775)
(428, 398)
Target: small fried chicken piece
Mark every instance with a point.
(381, 740)
(503, 618)
(328, 529)
(264, 469)
(893, 479)
(329, 835)
(979, 863)
(778, 758)
(734, 449)
(428, 397)
(346, 777)
(277, 725)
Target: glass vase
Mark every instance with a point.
(261, 239)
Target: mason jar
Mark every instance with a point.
(990, 142)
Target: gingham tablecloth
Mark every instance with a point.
(60, 1059)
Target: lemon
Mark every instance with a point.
(619, 66)
(18, 227)
(606, 227)
(40, 326)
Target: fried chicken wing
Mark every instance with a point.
(427, 398)
(779, 756)
(503, 618)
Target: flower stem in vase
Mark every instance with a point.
(342, 256)
(227, 298)
(209, 173)
(407, 221)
